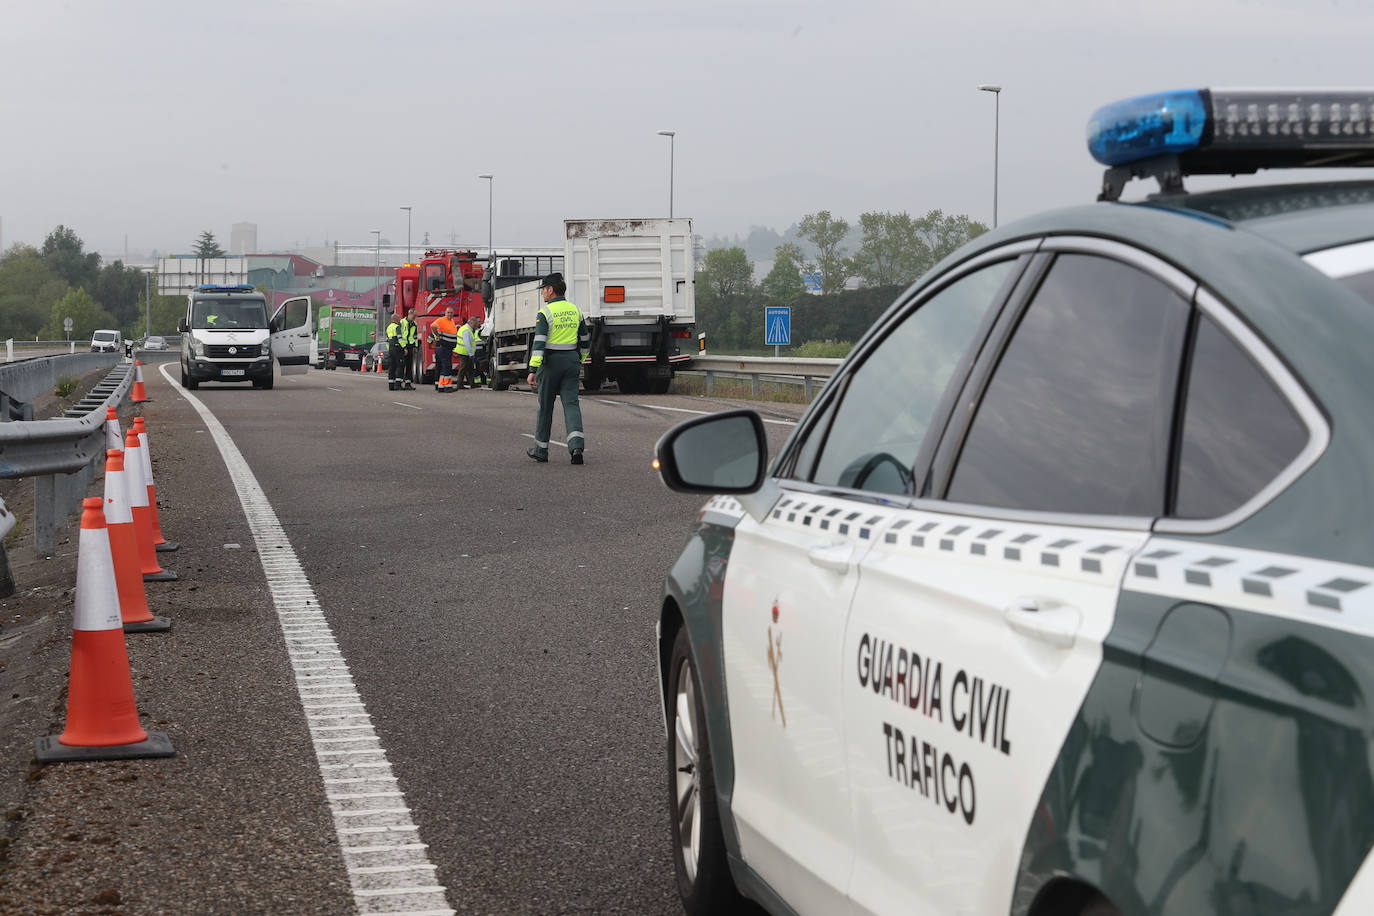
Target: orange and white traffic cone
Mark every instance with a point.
(160, 543)
(114, 436)
(138, 502)
(139, 394)
(102, 716)
(119, 522)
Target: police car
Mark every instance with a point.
(1060, 598)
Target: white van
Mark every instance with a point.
(226, 336)
(107, 341)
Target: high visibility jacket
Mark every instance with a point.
(558, 327)
(446, 331)
(408, 332)
(393, 334)
(466, 345)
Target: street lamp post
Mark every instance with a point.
(670, 134)
(407, 209)
(996, 126)
(377, 274)
(491, 183)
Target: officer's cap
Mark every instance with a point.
(552, 279)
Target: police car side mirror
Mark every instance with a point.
(722, 453)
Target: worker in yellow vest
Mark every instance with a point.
(561, 343)
(467, 352)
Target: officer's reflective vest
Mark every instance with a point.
(393, 334)
(563, 318)
(408, 334)
(465, 345)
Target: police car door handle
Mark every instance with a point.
(1043, 619)
(834, 557)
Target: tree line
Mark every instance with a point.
(891, 251)
(41, 287)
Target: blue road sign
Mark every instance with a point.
(777, 326)
(811, 279)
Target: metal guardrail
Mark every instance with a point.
(786, 369)
(62, 455)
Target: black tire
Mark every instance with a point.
(265, 383)
(592, 382)
(705, 884)
(630, 383)
(660, 385)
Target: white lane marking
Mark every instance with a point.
(289, 586)
(403, 404)
(700, 413)
(551, 441)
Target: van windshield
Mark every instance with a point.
(228, 314)
(103, 336)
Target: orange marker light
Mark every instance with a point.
(655, 464)
(614, 294)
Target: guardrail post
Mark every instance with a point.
(808, 387)
(710, 381)
(45, 514)
(6, 577)
(9, 350)
(754, 384)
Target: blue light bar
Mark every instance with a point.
(209, 288)
(1148, 126)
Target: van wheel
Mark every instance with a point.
(703, 875)
(265, 384)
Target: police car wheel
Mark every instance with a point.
(703, 875)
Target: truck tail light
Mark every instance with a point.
(682, 334)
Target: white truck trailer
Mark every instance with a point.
(634, 280)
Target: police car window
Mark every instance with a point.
(877, 429)
(1239, 431)
(1076, 416)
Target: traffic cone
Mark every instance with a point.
(138, 501)
(119, 522)
(160, 543)
(102, 716)
(114, 436)
(139, 394)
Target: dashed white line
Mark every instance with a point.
(404, 404)
(700, 413)
(551, 441)
(310, 641)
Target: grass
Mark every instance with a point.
(65, 386)
(776, 392)
(16, 532)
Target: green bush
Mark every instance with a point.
(823, 349)
(65, 386)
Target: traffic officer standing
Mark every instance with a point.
(395, 346)
(444, 335)
(561, 343)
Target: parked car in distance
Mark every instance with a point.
(155, 343)
(377, 352)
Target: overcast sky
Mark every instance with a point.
(320, 119)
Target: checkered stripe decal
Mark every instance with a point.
(1078, 553)
(831, 517)
(722, 510)
(1334, 593)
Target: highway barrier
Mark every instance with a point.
(62, 454)
(809, 373)
(102, 715)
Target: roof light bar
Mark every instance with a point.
(1230, 131)
(211, 288)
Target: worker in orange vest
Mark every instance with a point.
(444, 335)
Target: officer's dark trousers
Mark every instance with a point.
(396, 354)
(467, 371)
(443, 358)
(407, 370)
(557, 377)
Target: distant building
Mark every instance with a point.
(243, 238)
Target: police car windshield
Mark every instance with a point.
(228, 314)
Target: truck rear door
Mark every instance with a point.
(631, 269)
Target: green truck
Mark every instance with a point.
(346, 333)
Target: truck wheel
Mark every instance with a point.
(592, 382)
(660, 385)
(632, 383)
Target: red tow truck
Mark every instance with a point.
(443, 277)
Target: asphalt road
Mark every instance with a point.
(497, 616)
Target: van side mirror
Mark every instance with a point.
(183, 325)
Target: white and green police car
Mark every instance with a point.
(1060, 598)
